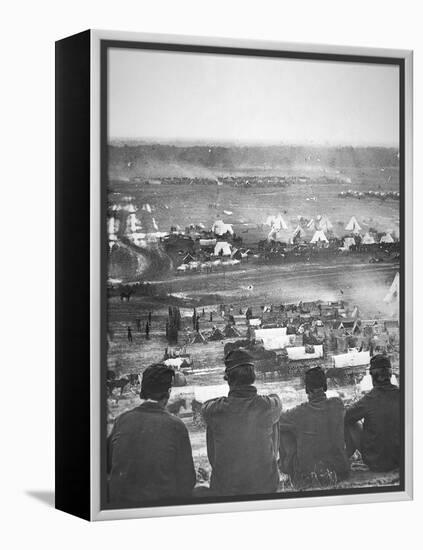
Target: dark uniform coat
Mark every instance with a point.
(312, 438)
(149, 457)
(242, 442)
(380, 410)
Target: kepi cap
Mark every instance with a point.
(238, 358)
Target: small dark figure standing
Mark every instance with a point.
(197, 324)
(211, 316)
(129, 335)
(147, 330)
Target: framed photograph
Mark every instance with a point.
(234, 275)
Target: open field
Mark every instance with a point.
(254, 283)
(190, 204)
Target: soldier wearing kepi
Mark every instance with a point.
(149, 451)
(372, 425)
(312, 436)
(242, 433)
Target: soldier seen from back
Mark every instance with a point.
(242, 433)
(312, 447)
(149, 451)
(372, 424)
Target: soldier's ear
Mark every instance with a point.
(225, 377)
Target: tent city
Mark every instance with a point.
(287, 251)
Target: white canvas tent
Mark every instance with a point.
(298, 233)
(393, 292)
(348, 243)
(353, 225)
(280, 235)
(276, 222)
(220, 228)
(387, 238)
(222, 248)
(325, 224)
(132, 224)
(297, 353)
(280, 223)
(207, 242)
(353, 358)
(368, 239)
(319, 236)
(311, 225)
(273, 338)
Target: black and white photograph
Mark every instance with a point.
(253, 281)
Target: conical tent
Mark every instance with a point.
(353, 225)
(280, 235)
(298, 233)
(216, 335)
(231, 332)
(280, 223)
(276, 222)
(387, 238)
(311, 225)
(368, 239)
(349, 242)
(222, 248)
(325, 224)
(319, 236)
(198, 339)
(393, 292)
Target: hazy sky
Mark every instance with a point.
(182, 96)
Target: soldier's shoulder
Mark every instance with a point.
(270, 400)
(214, 404)
(127, 415)
(300, 408)
(335, 402)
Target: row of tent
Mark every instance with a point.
(319, 227)
(216, 335)
(319, 236)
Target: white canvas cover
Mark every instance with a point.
(174, 362)
(207, 242)
(353, 225)
(220, 228)
(298, 232)
(224, 247)
(349, 242)
(325, 224)
(319, 236)
(280, 235)
(368, 239)
(254, 322)
(132, 223)
(353, 358)
(297, 353)
(280, 223)
(273, 338)
(393, 291)
(366, 383)
(387, 238)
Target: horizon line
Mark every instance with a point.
(248, 143)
